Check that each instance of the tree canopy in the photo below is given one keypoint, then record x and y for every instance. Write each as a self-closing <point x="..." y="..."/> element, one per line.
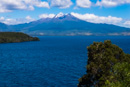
<point x="107" y="66"/>
<point x="9" y="37"/>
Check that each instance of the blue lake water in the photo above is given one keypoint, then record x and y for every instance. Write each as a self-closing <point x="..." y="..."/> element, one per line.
<point x="53" y="61"/>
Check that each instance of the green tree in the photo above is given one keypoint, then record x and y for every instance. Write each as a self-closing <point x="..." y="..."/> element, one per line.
<point x="120" y="77"/>
<point x="105" y="65"/>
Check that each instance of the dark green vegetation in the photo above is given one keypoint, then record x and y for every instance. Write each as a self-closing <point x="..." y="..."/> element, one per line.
<point x="10" y="37"/>
<point x="108" y="66"/>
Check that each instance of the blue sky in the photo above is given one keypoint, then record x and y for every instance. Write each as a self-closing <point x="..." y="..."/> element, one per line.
<point x="104" y="11"/>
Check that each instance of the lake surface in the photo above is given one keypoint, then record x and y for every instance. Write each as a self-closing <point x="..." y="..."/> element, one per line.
<point x="53" y="61"/>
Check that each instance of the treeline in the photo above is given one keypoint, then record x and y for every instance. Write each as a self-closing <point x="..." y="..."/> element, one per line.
<point x="107" y="66"/>
<point x="10" y="37"/>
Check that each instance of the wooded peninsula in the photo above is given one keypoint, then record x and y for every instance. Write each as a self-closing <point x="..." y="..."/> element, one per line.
<point x="12" y="37"/>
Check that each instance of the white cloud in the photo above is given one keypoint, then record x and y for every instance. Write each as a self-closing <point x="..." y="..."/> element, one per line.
<point x="46" y="15"/>
<point x="11" y="21"/>
<point x="97" y="19"/>
<point x="37" y="3"/>
<point x="29" y="19"/>
<point x="127" y="23"/>
<point x="84" y="3"/>
<point x="61" y="3"/>
<point x="2" y="18"/>
<point x="111" y="3"/>
<point x="10" y="5"/>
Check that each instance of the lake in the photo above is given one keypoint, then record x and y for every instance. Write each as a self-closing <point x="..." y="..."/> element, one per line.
<point x="54" y="61"/>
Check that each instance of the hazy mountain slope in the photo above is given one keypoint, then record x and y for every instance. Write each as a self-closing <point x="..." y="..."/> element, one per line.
<point x="3" y="27"/>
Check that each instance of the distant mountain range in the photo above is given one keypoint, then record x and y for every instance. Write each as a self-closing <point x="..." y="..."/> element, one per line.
<point x="65" y="25"/>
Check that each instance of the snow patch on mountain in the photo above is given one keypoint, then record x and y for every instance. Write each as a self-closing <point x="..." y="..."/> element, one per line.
<point x="59" y="15"/>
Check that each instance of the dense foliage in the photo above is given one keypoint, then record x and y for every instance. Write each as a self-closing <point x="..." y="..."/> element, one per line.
<point x="107" y="66"/>
<point x="9" y="37"/>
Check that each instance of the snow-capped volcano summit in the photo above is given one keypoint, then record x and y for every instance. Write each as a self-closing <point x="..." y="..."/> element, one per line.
<point x="64" y="17"/>
<point x="57" y="18"/>
<point x="59" y="15"/>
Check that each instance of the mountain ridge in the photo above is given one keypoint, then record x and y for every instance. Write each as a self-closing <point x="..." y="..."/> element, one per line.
<point x="66" y="25"/>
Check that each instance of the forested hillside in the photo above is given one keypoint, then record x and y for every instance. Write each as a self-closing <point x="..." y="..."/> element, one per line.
<point x="10" y="37"/>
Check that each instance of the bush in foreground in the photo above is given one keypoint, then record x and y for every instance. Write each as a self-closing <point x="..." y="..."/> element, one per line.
<point x="107" y="66"/>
